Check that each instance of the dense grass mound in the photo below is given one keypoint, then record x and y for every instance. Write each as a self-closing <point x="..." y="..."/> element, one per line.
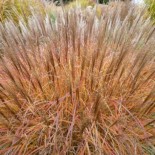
<point x="79" y="85"/>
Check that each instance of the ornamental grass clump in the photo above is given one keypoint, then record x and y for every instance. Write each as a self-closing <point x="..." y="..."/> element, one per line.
<point x="79" y="85"/>
<point x="19" y="8"/>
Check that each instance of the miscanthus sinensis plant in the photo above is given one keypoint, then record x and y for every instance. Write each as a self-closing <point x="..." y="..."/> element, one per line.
<point x="80" y="85"/>
<point x="16" y="8"/>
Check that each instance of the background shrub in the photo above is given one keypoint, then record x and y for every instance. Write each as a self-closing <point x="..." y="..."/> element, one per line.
<point x="103" y="1"/>
<point x="82" y="3"/>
